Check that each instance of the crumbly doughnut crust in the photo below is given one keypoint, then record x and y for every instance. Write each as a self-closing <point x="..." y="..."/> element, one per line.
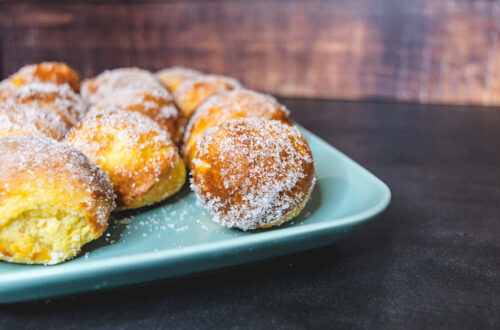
<point x="253" y="173"/>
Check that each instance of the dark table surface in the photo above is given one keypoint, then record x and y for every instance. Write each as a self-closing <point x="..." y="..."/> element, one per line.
<point x="432" y="259"/>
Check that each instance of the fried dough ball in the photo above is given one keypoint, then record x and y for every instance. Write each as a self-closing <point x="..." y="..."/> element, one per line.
<point x="193" y="92"/>
<point x="156" y="103"/>
<point x="22" y="120"/>
<point x="47" y="72"/>
<point x="138" y="155"/>
<point x="240" y="103"/>
<point x="53" y="200"/>
<point x="58" y="99"/>
<point x="253" y="173"/>
<point x="173" y="77"/>
<point x="110" y="81"/>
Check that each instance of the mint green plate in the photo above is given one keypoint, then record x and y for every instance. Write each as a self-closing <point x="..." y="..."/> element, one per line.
<point x="177" y="238"/>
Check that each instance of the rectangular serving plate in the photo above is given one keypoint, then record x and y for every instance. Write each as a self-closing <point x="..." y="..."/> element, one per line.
<point x="177" y="237"/>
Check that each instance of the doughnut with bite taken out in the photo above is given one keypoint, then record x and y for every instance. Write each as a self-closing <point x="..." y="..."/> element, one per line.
<point x="53" y="200"/>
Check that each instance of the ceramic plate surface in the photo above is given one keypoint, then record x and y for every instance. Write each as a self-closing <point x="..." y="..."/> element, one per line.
<point x="177" y="237"/>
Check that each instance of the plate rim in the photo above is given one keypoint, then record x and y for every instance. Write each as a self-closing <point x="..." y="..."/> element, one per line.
<point x="123" y="263"/>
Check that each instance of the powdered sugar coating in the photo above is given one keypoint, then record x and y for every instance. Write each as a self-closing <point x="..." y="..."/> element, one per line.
<point x="133" y="149"/>
<point x="251" y="172"/>
<point x="156" y="103"/>
<point x="240" y="103"/>
<point x="130" y="126"/>
<point x="132" y="97"/>
<point x="193" y="92"/>
<point x="111" y="81"/>
<point x="47" y="72"/>
<point x="58" y="99"/>
<point x="23" y="120"/>
<point x="173" y="77"/>
<point x="42" y="159"/>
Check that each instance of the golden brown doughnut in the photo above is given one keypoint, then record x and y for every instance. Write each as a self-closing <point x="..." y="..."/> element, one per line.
<point x="23" y="120"/>
<point x="193" y="92"/>
<point x="110" y="81"/>
<point x="58" y="99"/>
<point x="53" y="200"/>
<point x="156" y="103"/>
<point x="141" y="160"/>
<point x="47" y="72"/>
<point x="240" y="103"/>
<point x="173" y="77"/>
<point x="253" y="173"/>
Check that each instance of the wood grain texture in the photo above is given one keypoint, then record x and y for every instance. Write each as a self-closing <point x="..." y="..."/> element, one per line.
<point x="428" y="51"/>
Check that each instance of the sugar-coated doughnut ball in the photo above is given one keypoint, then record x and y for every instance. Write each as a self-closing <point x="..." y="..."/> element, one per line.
<point x="156" y="103"/>
<point x="240" y="103"/>
<point x="53" y="200"/>
<point x="58" y="99"/>
<point x="253" y="173"/>
<point x="47" y="72"/>
<point x="22" y="120"/>
<point x="140" y="158"/>
<point x="110" y="81"/>
<point x="193" y="92"/>
<point x="173" y="77"/>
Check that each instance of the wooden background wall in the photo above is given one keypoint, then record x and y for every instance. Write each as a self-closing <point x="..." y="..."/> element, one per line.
<point x="429" y="51"/>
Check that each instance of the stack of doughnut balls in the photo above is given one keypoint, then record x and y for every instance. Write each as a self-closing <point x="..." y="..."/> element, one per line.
<point x="71" y="153"/>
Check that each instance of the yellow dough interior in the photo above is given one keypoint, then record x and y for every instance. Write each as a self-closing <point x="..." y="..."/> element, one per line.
<point x="41" y="233"/>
